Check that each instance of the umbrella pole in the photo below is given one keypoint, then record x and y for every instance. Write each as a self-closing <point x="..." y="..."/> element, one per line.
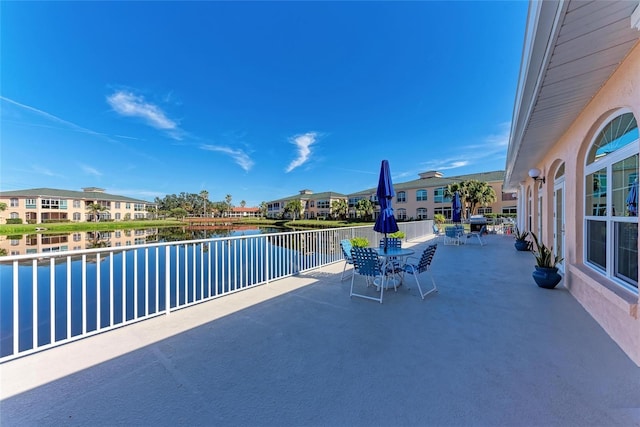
<point x="385" y="243"/>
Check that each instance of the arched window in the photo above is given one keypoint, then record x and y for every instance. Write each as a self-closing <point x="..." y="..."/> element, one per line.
<point x="402" y="197"/>
<point x="611" y="198"/>
<point x="402" y="214"/>
<point x="421" y="195"/>
<point x="421" y="213"/>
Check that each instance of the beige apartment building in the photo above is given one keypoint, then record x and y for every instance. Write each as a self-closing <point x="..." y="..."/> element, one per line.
<point x="573" y="153"/>
<point x="314" y="205"/>
<point x="240" y="212"/>
<point x="41" y="205"/>
<point x="418" y="199"/>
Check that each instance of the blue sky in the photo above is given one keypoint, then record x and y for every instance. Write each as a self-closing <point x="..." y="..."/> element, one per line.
<point x="257" y="100"/>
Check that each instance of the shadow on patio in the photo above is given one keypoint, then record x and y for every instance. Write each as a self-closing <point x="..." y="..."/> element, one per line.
<point x="490" y="348"/>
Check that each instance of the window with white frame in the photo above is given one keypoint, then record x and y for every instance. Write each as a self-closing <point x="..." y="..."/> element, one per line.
<point x="14" y="203"/>
<point x="446" y="211"/>
<point x="402" y="214"/>
<point x="421" y="213"/>
<point x="610" y="201"/>
<point x="421" y="195"/>
<point x="402" y="197"/>
<point x="439" y="197"/>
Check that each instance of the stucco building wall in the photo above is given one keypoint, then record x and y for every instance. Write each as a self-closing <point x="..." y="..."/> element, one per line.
<point x="613" y="306"/>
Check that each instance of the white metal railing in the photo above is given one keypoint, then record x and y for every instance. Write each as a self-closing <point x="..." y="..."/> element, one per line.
<point x="51" y="299"/>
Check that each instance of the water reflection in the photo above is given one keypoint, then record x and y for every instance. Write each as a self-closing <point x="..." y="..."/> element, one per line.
<point x="21" y="244"/>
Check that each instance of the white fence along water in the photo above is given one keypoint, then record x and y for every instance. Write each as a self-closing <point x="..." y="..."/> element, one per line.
<point x="49" y="299"/>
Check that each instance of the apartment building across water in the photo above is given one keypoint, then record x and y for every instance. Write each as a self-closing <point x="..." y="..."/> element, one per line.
<point x="41" y="205"/>
<point x="418" y="199"/>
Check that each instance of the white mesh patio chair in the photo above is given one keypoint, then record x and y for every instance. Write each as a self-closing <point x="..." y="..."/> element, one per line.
<point x="367" y="264"/>
<point x="345" y="245"/>
<point x="451" y="236"/>
<point x="416" y="266"/>
<point x="478" y="234"/>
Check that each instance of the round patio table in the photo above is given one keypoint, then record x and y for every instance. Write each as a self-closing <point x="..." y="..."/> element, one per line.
<point x="388" y="256"/>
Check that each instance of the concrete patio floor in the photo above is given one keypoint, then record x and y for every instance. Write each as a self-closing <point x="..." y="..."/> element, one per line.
<point x="490" y="348"/>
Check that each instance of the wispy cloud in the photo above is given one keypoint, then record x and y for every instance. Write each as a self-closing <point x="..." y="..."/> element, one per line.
<point x="446" y="164"/>
<point x="90" y="170"/>
<point x="129" y="104"/>
<point x="52" y="118"/>
<point x="43" y="171"/>
<point x="238" y="155"/>
<point x="492" y="146"/>
<point x="303" y="145"/>
<point x="500" y="139"/>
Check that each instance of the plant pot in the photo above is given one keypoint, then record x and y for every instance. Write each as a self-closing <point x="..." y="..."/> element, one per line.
<point x="547" y="278"/>
<point x="521" y="245"/>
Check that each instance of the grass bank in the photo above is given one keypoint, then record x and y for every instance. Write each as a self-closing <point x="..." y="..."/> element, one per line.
<point x="303" y="223"/>
<point x="68" y="227"/>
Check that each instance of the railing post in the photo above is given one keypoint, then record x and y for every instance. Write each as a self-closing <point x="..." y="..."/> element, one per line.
<point x="167" y="280"/>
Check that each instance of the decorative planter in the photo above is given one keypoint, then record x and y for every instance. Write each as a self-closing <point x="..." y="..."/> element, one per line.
<point x="547" y="278"/>
<point x="522" y="245"/>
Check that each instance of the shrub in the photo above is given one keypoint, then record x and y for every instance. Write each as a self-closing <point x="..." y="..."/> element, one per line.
<point x="15" y="220"/>
<point x="359" y="242"/>
<point x="398" y="235"/>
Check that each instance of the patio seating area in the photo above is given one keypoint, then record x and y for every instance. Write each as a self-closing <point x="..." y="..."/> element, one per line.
<point x="489" y="348"/>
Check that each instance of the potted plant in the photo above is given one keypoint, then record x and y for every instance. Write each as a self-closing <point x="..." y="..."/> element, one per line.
<point x="359" y="242"/>
<point x="546" y="272"/>
<point x="521" y="243"/>
<point x="398" y="235"/>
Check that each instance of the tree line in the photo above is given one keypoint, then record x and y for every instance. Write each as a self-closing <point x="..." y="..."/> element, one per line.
<point x="192" y="204"/>
<point x="473" y="194"/>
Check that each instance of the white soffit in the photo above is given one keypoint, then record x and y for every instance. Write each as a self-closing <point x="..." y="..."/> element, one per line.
<point x="575" y="46"/>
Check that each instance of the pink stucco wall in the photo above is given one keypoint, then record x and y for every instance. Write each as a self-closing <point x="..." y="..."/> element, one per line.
<point x="614" y="308"/>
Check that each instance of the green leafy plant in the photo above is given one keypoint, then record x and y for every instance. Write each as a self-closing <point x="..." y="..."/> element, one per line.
<point x="544" y="255"/>
<point x="360" y="242"/>
<point x="398" y="235"/>
<point x="520" y="235"/>
<point x="439" y="219"/>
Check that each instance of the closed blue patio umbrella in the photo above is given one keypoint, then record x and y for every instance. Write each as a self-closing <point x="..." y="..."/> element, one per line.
<point x="632" y="199"/>
<point x="456" y="207"/>
<point x="386" y="222"/>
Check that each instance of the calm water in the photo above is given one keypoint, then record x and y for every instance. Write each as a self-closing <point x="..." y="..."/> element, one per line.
<point x="183" y="280"/>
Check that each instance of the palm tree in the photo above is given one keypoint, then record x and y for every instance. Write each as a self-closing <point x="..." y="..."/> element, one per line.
<point x="263" y="208"/>
<point x="94" y="210"/>
<point x="294" y="207"/>
<point x="243" y="203"/>
<point x="227" y="203"/>
<point x="479" y="193"/>
<point x="339" y="208"/>
<point x="463" y="192"/>
<point x="364" y="207"/>
<point x="205" y="195"/>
